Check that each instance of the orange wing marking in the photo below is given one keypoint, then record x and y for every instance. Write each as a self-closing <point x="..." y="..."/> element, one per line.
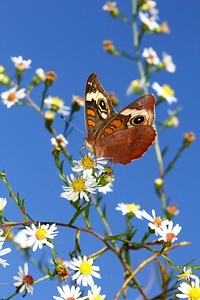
<point x="90" y="112"/>
<point x="91" y="123"/>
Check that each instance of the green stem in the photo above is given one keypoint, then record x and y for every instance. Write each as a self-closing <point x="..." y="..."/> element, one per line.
<point x="172" y="162"/>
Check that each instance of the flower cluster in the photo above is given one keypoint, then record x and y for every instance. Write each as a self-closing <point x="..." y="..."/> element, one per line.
<point x="162" y="227"/>
<point x="91" y="177"/>
<point x="84" y="273"/>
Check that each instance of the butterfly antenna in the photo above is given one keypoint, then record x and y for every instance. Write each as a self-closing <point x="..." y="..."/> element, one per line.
<point x="72" y="124"/>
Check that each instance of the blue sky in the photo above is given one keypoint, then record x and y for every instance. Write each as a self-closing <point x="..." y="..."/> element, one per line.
<point x="66" y="36"/>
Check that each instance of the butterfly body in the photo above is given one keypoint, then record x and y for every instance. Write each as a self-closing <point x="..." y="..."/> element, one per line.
<point x="120" y="137"/>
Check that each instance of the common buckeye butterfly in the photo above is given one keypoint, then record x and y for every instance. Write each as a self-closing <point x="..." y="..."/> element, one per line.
<point x="119" y="137"/>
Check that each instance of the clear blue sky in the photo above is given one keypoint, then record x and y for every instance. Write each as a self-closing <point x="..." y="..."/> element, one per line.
<point x="66" y="36"/>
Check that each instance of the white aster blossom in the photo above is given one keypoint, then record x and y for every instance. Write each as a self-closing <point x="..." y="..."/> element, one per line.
<point x="78" y="100"/>
<point x="155" y="222"/>
<point x="3" y="252"/>
<point x="84" y="270"/>
<point x="130" y="209"/>
<point x="169" y="233"/>
<point x="11" y="97"/>
<point x="151" y="56"/>
<point x="69" y="293"/>
<point x="41" y="74"/>
<point x="24" y="280"/>
<point x="94" y="294"/>
<point x="38" y="237"/>
<point x="137" y="85"/>
<point x="20" y="63"/>
<point x="88" y="163"/>
<point x="150" y="6"/>
<point x="186" y="275"/>
<point x="59" y="141"/>
<point x="106" y="188"/>
<point x="165" y="91"/>
<point x="3" y="203"/>
<point x="168" y="63"/>
<point x="21" y="239"/>
<point x="57" y="105"/>
<point x="79" y="187"/>
<point x="190" y="290"/>
<point x="149" y="21"/>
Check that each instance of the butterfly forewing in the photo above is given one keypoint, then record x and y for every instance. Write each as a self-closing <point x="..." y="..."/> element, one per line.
<point x="98" y="106"/>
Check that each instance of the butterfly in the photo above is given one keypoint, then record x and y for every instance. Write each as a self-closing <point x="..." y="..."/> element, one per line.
<point x="119" y="137"/>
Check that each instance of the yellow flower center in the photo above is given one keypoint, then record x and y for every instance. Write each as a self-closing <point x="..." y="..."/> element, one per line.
<point x="87" y="162"/>
<point x="11" y="97"/>
<point x="57" y="102"/>
<point x="194" y="293"/>
<point x="167" y="90"/>
<point x="97" y="298"/>
<point x="85" y="268"/>
<point x="78" y="184"/>
<point x="133" y="207"/>
<point x="41" y="233"/>
<point x="157" y="222"/>
<point x="135" y="84"/>
<point x="70" y="298"/>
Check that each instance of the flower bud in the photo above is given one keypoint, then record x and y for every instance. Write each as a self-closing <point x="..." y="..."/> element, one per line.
<point x="189" y="137"/>
<point x="109" y="47"/>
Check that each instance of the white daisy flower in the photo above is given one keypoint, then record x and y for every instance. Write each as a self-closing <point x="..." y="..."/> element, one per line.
<point x="88" y="163"/>
<point x="21" y="239"/>
<point x="151" y="56"/>
<point x="69" y="293"/>
<point x="168" y="63"/>
<point x="169" y="233"/>
<point x="149" y="21"/>
<point x="190" y="290"/>
<point x="111" y="7"/>
<point x="37" y="237"/>
<point x="24" y="280"/>
<point x="11" y="97"/>
<point x="130" y="209"/>
<point x="41" y="74"/>
<point x="78" y="100"/>
<point x="3" y="252"/>
<point x="155" y="222"/>
<point x="57" y="105"/>
<point x="164" y="91"/>
<point x="186" y="275"/>
<point x="3" y="203"/>
<point x="79" y="187"/>
<point x="173" y="210"/>
<point x="59" y="141"/>
<point x="106" y="188"/>
<point x="84" y="270"/>
<point x="95" y="293"/>
<point x="20" y="63"/>
<point x="136" y="86"/>
<point x="150" y="6"/>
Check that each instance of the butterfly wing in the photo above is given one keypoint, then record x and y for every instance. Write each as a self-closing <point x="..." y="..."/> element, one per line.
<point x="129" y="134"/>
<point x="98" y="106"/>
